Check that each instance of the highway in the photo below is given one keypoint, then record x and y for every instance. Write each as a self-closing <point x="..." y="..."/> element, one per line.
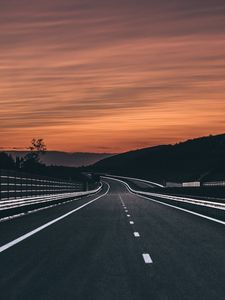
<point x="113" y="245"/>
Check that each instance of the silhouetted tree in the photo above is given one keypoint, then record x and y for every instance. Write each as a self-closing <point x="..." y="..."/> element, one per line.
<point x="6" y="161"/>
<point x="31" y="161"/>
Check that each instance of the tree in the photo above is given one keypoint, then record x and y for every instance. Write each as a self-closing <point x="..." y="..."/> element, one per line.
<point x="6" y="161"/>
<point x="31" y="161"/>
<point x="38" y="146"/>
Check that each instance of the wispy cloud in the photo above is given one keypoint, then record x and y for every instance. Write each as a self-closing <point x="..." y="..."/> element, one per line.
<point x="86" y="74"/>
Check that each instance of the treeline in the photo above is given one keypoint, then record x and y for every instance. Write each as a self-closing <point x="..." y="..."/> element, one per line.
<point x="7" y="162"/>
<point x="36" y="167"/>
<point x="198" y="159"/>
<point x="31" y="163"/>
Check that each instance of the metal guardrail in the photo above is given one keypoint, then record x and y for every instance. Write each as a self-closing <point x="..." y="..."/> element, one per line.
<point x="214" y="183"/>
<point x="20" y="206"/>
<point x="15" y="185"/>
<point x="195" y="184"/>
<point x="208" y="209"/>
<point x="135" y="179"/>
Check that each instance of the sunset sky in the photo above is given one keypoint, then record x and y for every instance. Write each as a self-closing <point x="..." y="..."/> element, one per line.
<point x="110" y="76"/>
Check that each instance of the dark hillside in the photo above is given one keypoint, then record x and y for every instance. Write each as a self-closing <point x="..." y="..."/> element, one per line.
<point x="202" y="158"/>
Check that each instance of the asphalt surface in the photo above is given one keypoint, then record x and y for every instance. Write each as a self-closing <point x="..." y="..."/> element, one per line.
<point x="96" y="251"/>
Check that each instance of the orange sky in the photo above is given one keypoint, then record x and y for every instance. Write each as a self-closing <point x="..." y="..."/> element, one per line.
<point x="109" y="76"/>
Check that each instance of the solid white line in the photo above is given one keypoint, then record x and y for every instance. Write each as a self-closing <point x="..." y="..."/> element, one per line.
<point x="25" y="236"/>
<point x="136" y="234"/>
<point x="187" y="200"/>
<point x="136" y="193"/>
<point x="128" y="216"/>
<point x="183" y="209"/>
<point x="147" y="258"/>
<point x="131" y="222"/>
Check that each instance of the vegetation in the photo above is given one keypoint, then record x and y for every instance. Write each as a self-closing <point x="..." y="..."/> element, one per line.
<point x="6" y="161"/>
<point x="197" y="159"/>
<point x="31" y="163"/>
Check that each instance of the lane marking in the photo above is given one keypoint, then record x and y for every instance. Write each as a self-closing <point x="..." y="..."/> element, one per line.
<point x="121" y="200"/>
<point x="128" y="216"/>
<point x="147" y="258"/>
<point x="166" y="204"/>
<point x="27" y="235"/>
<point x="136" y="234"/>
<point x="183" y="209"/>
<point x="131" y="222"/>
<point x="126" y="211"/>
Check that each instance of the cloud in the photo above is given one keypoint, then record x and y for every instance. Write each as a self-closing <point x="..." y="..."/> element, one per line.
<point x="68" y="68"/>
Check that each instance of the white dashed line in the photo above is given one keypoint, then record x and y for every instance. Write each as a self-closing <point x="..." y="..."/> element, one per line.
<point x="136" y="234"/>
<point x="126" y="211"/>
<point x="128" y="216"/>
<point x="131" y="222"/>
<point x="147" y="258"/>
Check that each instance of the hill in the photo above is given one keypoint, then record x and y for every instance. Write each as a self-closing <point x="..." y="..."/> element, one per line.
<point x="198" y="159"/>
<point x="76" y="159"/>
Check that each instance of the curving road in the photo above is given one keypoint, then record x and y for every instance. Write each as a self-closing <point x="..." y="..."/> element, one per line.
<point x="109" y="246"/>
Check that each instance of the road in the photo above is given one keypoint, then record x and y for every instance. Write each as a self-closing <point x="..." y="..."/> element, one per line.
<point x="112" y="245"/>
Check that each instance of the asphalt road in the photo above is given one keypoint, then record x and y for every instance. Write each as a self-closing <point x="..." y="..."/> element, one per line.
<point x="93" y="249"/>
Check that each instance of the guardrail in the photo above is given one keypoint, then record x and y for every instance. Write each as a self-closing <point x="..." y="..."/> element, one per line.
<point x="214" y="210"/>
<point x="21" y="192"/>
<point x="214" y="183"/>
<point x="15" y="185"/>
<point x="195" y="184"/>
<point x="155" y="184"/>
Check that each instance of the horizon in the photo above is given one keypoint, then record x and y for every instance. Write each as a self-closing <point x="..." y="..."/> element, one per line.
<point x="101" y="76"/>
<point x="14" y="149"/>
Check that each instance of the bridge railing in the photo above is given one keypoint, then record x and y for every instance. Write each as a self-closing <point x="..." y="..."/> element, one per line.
<point x="15" y="184"/>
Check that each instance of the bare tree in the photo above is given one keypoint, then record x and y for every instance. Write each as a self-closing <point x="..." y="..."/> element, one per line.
<point x="31" y="161"/>
<point x="37" y="147"/>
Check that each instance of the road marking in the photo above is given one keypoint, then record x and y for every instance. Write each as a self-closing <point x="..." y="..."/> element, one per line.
<point x="126" y="211"/>
<point x="166" y="204"/>
<point x="128" y="216"/>
<point x="27" y="235"/>
<point x="147" y="258"/>
<point x="183" y="209"/>
<point x="136" y="234"/>
<point x="131" y="222"/>
<point x="121" y="200"/>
